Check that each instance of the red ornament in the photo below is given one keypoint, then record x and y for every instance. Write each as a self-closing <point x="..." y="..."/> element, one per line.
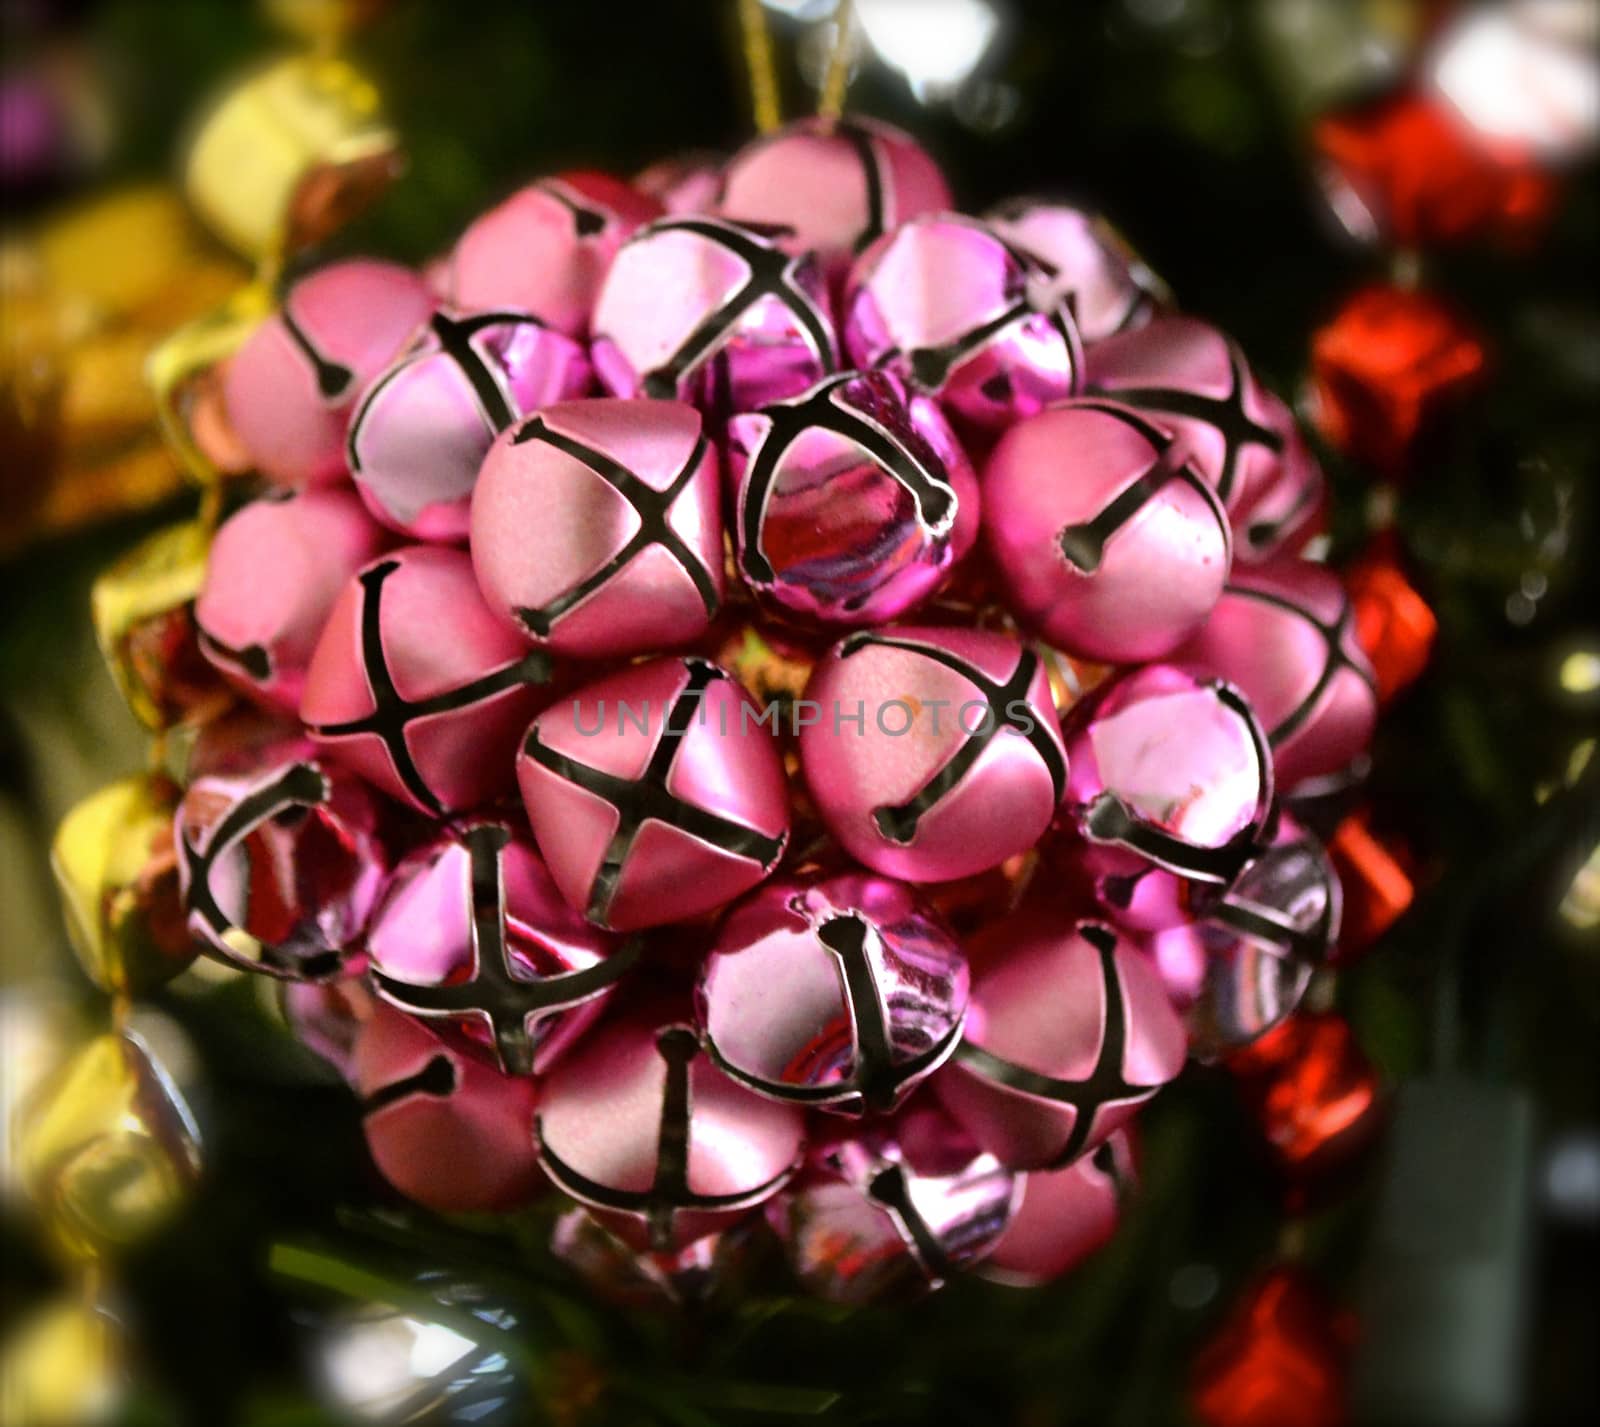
<point x="1384" y="367"/>
<point x="1410" y="171"/>
<point x="1312" y="1093"/>
<point x="1377" y="886"/>
<point x="1393" y="623"/>
<point x="1279" y="1359"/>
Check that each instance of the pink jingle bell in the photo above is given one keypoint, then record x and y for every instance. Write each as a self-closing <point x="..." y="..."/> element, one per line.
<point x="1284" y="632"/>
<point x="956" y="313"/>
<point x="597" y="527"/>
<point x="683" y="183"/>
<point x="275" y="569"/>
<point x="655" y="794"/>
<point x="630" y="1278"/>
<point x="290" y="388"/>
<point x="863" y="1225"/>
<point x="1194" y="382"/>
<point x="1281" y="514"/>
<point x="1062" y="1216"/>
<point x="1170" y="788"/>
<point x="837" y="186"/>
<point x="327" y="1017"/>
<point x="444" y="1129"/>
<point x="853" y="502"/>
<point x="1244" y="961"/>
<point x="842" y="994"/>
<point x="712" y="312"/>
<point x="472" y="932"/>
<point x="418" y="686"/>
<point x="641" y="1126"/>
<point x="934" y="753"/>
<point x="280" y="862"/>
<point x="546" y="249"/>
<point x="1105" y="536"/>
<point x="1069" y="1032"/>
<point x="423" y="427"/>
<point x="1107" y="288"/>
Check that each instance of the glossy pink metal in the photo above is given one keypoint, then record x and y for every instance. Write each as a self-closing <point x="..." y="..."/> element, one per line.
<point x="1284" y="509"/>
<point x="280" y="861"/>
<point x="472" y="932"/>
<point x="1062" y="1217"/>
<point x="1069" y="1032"/>
<point x="418" y="686"/>
<point x="712" y="312"/>
<point x="843" y="993"/>
<point x="655" y="794"/>
<point x="853" y="503"/>
<point x="1194" y="382"/>
<point x="683" y="183"/>
<point x="863" y="1225"/>
<point x="956" y="313"/>
<point x="326" y="1017"/>
<point x="641" y="1126"/>
<point x="956" y="763"/>
<point x="443" y="1127"/>
<point x="835" y="186"/>
<point x="1170" y="789"/>
<point x="1106" y="539"/>
<point x="1284" y="633"/>
<point x="421" y="430"/>
<point x="597" y="527"/>
<point x="1091" y="267"/>
<point x="289" y="389"/>
<point x="275" y="569"/>
<point x="710" y="1267"/>
<point x="546" y="249"/>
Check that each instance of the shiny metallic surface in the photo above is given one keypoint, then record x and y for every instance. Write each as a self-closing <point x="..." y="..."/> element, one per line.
<point x="853" y="501"/>
<point x="655" y="794"/>
<point x="1280" y="512"/>
<point x="275" y="569"/>
<point x="290" y="388"/>
<point x="1069" y="1032"/>
<point x="956" y="763"/>
<point x="422" y="428"/>
<point x="842" y="994"/>
<point x="1104" y="535"/>
<point x="955" y="313"/>
<point x="597" y="527"/>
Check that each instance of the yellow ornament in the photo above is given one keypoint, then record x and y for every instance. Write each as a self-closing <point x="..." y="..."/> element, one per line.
<point x="289" y="155"/>
<point x="116" y="866"/>
<point x="63" y="1367"/>
<point x="143" y="612"/>
<point x="108" y="1148"/>
<point x="323" y="22"/>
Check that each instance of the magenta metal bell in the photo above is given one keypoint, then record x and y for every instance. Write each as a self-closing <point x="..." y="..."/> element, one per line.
<point x="683" y="183"/>
<point x="274" y="571"/>
<point x="956" y="313"/>
<point x="1069" y="1032"/>
<point x="417" y="686"/>
<point x="1106" y="538"/>
<point x="597" y="527"/>
<point x="545" y="250"/>
<point x="655" y="794"/>
<point x="708" y="1268"/>
<point x="472" y="932"/>
<point x="421" y="430"/>
<point x="863" y="1225"/>
<point x="280" y="862"/>
<point x="1170" y="787"/>
<point x="1283" y="510"/>
<point x="712" y="312"/>
<point x="837" y="186"/>
<point x="1107" y="287"/>
<point x="639" y="1124"/>
<point x="1194" y="382"/>
<point x="843" y="994"/>
<point x="853" y="502"/>
<point x="443" y="1128"/>
<point x="933" y="753"/>
<point x="1284" y="633"/>
<point x="326" y="1017"/>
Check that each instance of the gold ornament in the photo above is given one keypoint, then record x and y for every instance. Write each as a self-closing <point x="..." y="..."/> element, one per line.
<point x="116" y="866"/>
<point x="324" y="23"/>
<point x="290" y="154"/>
<point x="62" y="1368"/>
<point x="109" y="1150"/>
<point x="143" y="611"/>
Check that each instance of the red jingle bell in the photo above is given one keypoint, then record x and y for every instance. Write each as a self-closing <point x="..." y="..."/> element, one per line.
<point x="1393" y="623"/>
<point x="1378" y="887"/>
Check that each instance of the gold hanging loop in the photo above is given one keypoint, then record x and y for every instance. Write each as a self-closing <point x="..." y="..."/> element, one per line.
<point x="760" y="65"/>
